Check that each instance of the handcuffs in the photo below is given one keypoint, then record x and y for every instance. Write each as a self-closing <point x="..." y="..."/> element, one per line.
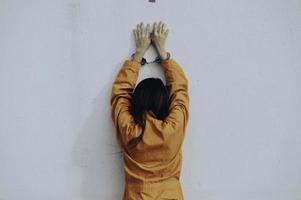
<point x="157" y="60"/>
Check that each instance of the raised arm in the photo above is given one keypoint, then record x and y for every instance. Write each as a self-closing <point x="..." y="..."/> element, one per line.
<point x="177" y="85"/>
<point x="122" y="88"/>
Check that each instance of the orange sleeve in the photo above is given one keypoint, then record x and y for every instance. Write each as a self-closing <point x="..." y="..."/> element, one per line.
<point x="122" y="88"/>
<point x="177" y="85"/>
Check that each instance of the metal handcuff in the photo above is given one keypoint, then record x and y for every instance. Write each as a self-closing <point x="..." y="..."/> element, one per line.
<point x="157" y="60"/>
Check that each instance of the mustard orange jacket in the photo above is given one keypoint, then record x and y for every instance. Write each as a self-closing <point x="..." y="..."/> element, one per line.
<point x="152" y="169"/>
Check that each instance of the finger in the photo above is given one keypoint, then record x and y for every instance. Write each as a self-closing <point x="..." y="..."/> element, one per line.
<point x="142" y="29"/>
<point x="138" y="30"/>
<point x="159" y="27"/>
<point x="141" y="26"/>
<point x="152" y="30"/>
<point x="145" y="31"/>
<point x="166" y="32"/>
<point x="155" y="29"/>
<point x="135" y="33"/>
<point x="163" y="28"/>
<point x="148" y="30"/>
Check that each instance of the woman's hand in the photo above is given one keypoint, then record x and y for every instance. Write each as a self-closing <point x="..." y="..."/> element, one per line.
<point x="142" y="39"/>
<point x="158" y="38"/>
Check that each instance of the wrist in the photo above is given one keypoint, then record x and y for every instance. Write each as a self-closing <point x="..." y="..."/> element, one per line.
<point x="163" y="55"/>
<point x="137" y="57"/>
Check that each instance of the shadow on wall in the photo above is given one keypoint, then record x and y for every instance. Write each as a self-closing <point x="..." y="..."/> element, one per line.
<point x="97" y="154"/>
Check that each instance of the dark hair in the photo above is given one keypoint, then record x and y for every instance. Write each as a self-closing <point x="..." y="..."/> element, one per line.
<point x="149" y="95"/>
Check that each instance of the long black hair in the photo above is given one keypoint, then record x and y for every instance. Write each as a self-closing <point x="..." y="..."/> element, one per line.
<point x="149" y="95"/>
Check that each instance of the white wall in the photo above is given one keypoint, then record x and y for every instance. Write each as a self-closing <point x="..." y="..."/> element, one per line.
<point x="58" y="59"/>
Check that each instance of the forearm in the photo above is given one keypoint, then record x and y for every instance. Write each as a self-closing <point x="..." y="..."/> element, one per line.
<point x="175" y="77"/>
<point x="177" y="85"/>
<point x="125" y="80"/>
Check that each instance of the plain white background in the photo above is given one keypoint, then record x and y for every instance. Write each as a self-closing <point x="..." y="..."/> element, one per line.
<point x="59" y="58"/>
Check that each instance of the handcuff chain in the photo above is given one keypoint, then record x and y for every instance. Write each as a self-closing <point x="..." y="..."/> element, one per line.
<point x="157" y="60"/>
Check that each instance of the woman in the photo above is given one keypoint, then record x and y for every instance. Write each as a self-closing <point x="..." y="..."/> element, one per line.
<point x="150" y="120"/>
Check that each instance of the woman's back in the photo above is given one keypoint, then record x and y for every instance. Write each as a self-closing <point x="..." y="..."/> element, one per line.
<point x="157" y="158"/>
